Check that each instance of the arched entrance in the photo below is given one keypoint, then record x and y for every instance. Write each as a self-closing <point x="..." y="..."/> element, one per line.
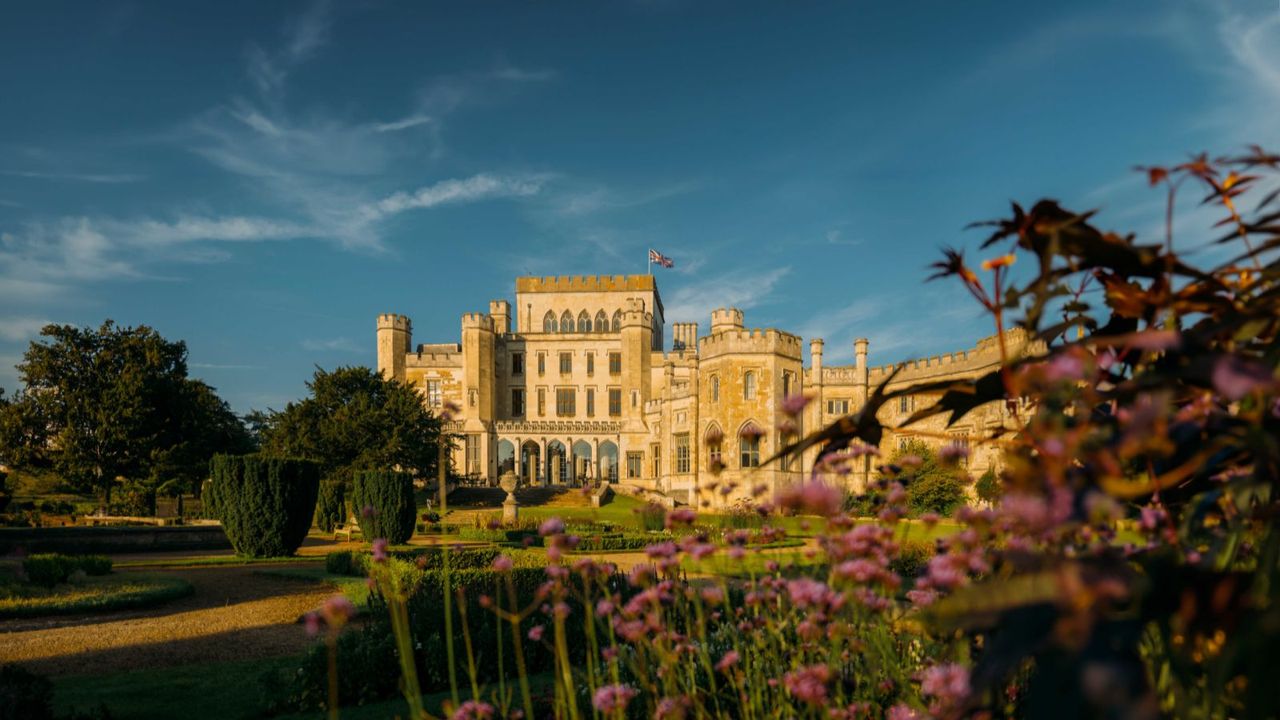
<point x="530" y="456"/>
<point x="581" y="461"/>
<point x="609" y="461"/>
<point x="557" y="462"/>
<point x="506" y="456"/>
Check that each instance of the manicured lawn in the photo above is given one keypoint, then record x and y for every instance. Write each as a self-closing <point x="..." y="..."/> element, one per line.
<point x="108" y="592"/>
<point x="356" y="589"/>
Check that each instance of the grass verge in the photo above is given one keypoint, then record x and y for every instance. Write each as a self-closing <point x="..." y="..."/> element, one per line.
<point x="356" y="589"/>
<point x="93" y="594"/>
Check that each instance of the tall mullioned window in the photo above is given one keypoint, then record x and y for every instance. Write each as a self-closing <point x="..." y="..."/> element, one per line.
<point x="542" y="363"/>
<point x="584" y="322"/>
<point x="635" y="460"/>
<point x="602" y="322"/>
<point x="566" y="322"/>
<point x="837" y="407"/>
<point x="656" y="451"/>
<point x="549" y="322"/>
<point x="682" y="453"/>
<point x="749" y="451"/>
<point x="715" y="388"/>
<point x="749" y="385"/>
<point x="565" y="401"/>
<point x="473" y="454"/>
<point x="591" y="364"/>
<point x="517" y="402"/>
<point x="615" y="402"/>
<point x="435" y="398"/>
<point x="904" y="404"/>
<point x="617" y="320"/>
<point x="591" y="402"/>
<point x="542" y="402"/>
<point x="615" y="363"/>
<point x="517" y="363"/>
<point x="566" y="363"/>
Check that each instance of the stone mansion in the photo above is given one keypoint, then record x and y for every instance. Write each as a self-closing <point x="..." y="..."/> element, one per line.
<point x="575" y="381"/>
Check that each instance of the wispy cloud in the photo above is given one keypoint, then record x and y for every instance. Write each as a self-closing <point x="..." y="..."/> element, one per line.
<point x="743" y="289"/>
<point x="477" y="187"/>
<point x="303" y="37"/>
<point x="18" y="329"/>
<point x="109" y="178"/>
<point x="339" y="344"/>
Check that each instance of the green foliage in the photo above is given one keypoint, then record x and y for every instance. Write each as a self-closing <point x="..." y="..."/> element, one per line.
<point x="5" y="495"/>
<point x="91" y="594"/>
<point x="931" y="486"/>
<point x="354" y="420"/>
<point x="988" y="487"/>
<point x="115" y="403"/>
<point x="653" y="517"/>
<point x="356" y="563"/>
<point x="384" y="499"/>
<point x="265" y="504"/>
<point x="613" y="542"/>
<point x="24" y="695"/>
<point x="331" y="505"/>
<point x="51" y="569"/>
<point x="913" y="557"/>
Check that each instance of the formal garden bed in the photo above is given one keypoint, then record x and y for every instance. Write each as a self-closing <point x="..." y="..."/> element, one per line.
<point x="62" y="585"/>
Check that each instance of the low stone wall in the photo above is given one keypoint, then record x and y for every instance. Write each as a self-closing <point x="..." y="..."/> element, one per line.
<point x="112" y="539"/>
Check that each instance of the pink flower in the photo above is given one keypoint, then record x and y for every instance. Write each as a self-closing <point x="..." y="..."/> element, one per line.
<point x="904" y="712"/>
<point x="727" y="661"/>
<point x="503" y="563"/>
<point x="314" y="623"/>
<point x="809" y="684"/>
<point x="1064" y="367"/>
<point x="612" y="698"/>
<point x="337" y="610"/>
<point x="473" y="710"/>
<point x="551" y="526"/>
<point x="813" y="497"/>
<point x="671" y="708"/>
<point x="380" y="550"/>
<point x="535" y="632"/>
<point x="680" y="516"/>
<point x="1234" y="377"/>
<point x="948" y="683"/>
<point x="795" y="403"/>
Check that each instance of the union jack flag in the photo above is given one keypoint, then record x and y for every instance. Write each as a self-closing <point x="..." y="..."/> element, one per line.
<point x="663" y="260"/>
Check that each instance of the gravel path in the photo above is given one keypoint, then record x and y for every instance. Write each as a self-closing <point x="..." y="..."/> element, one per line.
<point x="234" y="614"/>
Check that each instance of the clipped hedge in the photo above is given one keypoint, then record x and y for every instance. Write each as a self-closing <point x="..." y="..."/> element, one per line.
<point x="384" y="499"/>
<point x="51" y="569"/>
<point x="355" y="563"/>
<point x="265" y="504"/>
<point x="330" y="505"/>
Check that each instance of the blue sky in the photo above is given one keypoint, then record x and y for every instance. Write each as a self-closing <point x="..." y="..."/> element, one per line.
<point x="261" y="179"/>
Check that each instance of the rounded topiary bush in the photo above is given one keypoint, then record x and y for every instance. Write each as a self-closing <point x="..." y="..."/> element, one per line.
<point x="265" y="504"/>
<point x="330" y="505"/>
<point x="384" y="500"/>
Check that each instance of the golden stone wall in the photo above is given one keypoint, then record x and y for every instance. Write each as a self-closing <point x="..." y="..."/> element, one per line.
<point x="664" y="400"/>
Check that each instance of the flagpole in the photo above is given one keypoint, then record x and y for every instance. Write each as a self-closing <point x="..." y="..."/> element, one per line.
<point x="650" y="268"/>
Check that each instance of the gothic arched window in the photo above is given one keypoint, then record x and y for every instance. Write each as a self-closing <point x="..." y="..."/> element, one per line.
<point x="584" y="322"/>
<point x="617" y="320"/>
<point x="602" y="322"/>
<point x="566" y="322"/>
<point x="549" y="322"/>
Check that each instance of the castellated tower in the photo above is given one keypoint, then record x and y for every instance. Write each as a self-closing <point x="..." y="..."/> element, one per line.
<point x="637" y="342"/>
<point x="724" y="319"/>
<point x="477" y="371"/>
<point x="395" y="332"/>
<point x="500" y="311"/>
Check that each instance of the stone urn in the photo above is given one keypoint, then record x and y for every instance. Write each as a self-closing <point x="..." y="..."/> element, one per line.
<point x="509" y="481"/>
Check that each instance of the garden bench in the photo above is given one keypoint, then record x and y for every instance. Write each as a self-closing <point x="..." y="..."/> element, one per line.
<point x="344" y="530"/>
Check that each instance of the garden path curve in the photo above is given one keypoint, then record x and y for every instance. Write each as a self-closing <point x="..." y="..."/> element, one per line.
<point x="235" y="613"/>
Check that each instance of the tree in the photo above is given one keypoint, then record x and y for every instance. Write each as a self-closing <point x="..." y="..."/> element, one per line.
<point x="265" y="504"/>
<point x="988" y="487"/>
<point x="114" y="403"/>
<point x="931" y="485"/>
<point x="388" y="496"/>
<point x="355" y="420"/>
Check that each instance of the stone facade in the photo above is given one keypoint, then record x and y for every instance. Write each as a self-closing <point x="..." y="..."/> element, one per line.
<point x="573" y="383"/>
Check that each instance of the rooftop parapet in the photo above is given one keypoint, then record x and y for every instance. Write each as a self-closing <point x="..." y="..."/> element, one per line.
<point x="479" y="321"/>
<point x="767" y="340"/>
<point x="392" y="321"/>
<point x="585" y="283"/>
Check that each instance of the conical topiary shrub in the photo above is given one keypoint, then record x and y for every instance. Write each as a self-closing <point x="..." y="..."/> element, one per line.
<point x="265" y="504"/>
<point x="384" y="501"/>
<point x="331" y="505"/>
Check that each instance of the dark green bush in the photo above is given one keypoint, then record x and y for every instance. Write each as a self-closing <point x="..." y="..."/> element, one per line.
<point x="936" y="493"/>
<point x="355" y="563"/>
<point x="988" y="487"/>
<point x="913" y="558"/>
<point x="265" y="504"/>
<point x="529" y="538"/>
<point x="384" y="500"/>
<point x="331" y="505"/>
<point x="24" y="695"/>
<point x="49" y="569"/>
<point x="613" y="542"/>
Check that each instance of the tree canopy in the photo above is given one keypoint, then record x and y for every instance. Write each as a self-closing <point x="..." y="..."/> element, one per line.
<point x="355" y="419"/>
<point x="115" y="403"/>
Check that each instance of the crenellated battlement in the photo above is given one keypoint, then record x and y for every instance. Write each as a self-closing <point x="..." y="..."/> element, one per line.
<point x="585" y="283"/>
<point x="767" y="341"/>
<point x="392" y="321"/>
<point x="477" y="321"/>
<point x="724" y="319"/>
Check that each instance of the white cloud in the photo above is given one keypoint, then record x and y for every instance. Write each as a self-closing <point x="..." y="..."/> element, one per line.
<point x="740" y="289"/>
<point x="339" y="344"/>
<point x="477" y="187"/>
<point x="303" y="37"/>
<point x="109" y="178"/>
<point x="18" y="329"/>
<point x="405" y="123"/>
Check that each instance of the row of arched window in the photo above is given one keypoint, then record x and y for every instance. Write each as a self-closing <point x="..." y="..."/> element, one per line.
<point x="584" y="324"/>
